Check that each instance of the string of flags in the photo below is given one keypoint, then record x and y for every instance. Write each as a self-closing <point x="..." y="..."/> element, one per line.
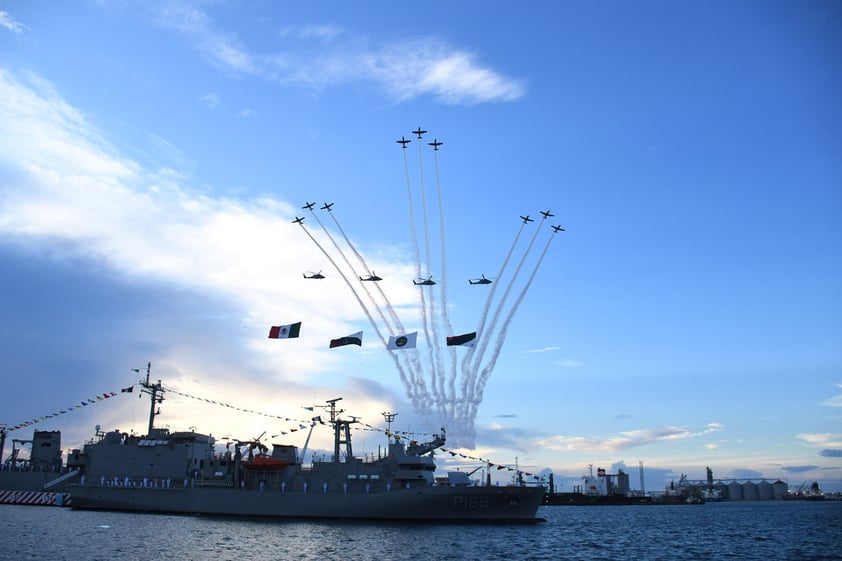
<point x="396" y="342"/>
<point x="489" y="462"/>
<point x="74" y="407"/>
<point x="301" y="424"/>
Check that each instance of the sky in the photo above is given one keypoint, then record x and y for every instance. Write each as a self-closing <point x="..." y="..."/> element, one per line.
<point x="153" y="157"/>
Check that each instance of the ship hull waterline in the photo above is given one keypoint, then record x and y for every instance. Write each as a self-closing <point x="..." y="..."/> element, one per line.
<point x="429" y="504"/>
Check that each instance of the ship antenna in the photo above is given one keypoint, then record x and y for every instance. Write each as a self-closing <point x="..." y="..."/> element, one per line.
<point x="156" y="395"/>
<point x="390" y="417"/>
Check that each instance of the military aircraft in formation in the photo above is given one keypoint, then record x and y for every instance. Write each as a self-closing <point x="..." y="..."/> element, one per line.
<point x="526" y="219"/>
<point x="426" y="282"/>
<point x="313" y="275"/>
<point x="327" y="206"/>
<point x="298" y="220"/>
<point x="557" y="229"/>
<point x="372" y="277"/>
<point x="547" y="214"/>
<point x="309" y="206"/>
<point x="481" y="280"/>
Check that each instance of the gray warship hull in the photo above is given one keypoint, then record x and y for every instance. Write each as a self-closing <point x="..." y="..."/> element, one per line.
<point x="430" y="504"/>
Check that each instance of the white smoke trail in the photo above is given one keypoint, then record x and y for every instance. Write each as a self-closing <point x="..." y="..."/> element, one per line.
<point x="451" y="390"/>
<point x="404" y="379"/>
<point x="468" y="372"/>
<point x="408" y="357"/>
<point x="389" y="308"/>
<point x="429" y="300"/>
<point x="474" y="369"/>
<point x="413" y="230"/>
<point x="501" y="337"/>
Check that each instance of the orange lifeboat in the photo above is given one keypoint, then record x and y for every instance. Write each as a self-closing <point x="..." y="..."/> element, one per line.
<point x="265" y="462"/>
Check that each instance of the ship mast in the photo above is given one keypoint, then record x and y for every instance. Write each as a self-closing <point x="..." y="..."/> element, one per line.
<point x="341" y="431"/>
<point x="156" y="395"/>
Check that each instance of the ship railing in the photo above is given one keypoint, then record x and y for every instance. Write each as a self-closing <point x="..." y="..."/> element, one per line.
<point x="212" y="483"/>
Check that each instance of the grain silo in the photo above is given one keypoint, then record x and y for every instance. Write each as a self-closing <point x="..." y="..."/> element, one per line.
<point x="764" y="491"/>
<point x="735" y="491"/>
<point x="750" y="491"/>
<point x="779" y="489"/>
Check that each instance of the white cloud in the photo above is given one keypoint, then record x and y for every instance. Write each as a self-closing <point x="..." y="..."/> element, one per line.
<point x="71" y="185"/>
<point x="211" y="101"/>
<point x="310" y="56"/>
<point x="569" y="363"/>
<point x="626" y="440"/>
<point x="835" y="401"/>
<point x="222" y="49"/>
<point x="323" y="32"/>
<point x="544" y="350"/>
<point x="9" y="23"/>
<point x="823" y="440"/>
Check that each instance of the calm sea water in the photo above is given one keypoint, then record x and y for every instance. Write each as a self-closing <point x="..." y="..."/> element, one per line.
<point x="767" y="531"/>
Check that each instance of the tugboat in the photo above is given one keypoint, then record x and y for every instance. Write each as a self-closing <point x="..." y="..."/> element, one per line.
<point x="180" y="472"/>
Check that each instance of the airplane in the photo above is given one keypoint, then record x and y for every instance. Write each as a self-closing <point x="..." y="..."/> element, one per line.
<point x="426" y="282"/>
<point x="313" y="275"/>
<point x="481" y="280"/>
<point x="309" y="206"/>
<point x="327" y="206"/>
<point x="403" y="142"/>
<point x="557" y="229"/>
<point x="419" y="132"/>
<point x="526" y="219"/>
<point x="371" y="277"/>
<point x="299" y="220"/>
<point x="547" y="214"/>
<point x="435" y="144"/>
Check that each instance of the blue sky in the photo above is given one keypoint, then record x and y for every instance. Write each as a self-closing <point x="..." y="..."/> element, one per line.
<point x="153" y="155"/>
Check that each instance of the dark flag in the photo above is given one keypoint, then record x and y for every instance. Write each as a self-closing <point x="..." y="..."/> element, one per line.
<point x="466" y="340"/>
<point x="355" y="339"/>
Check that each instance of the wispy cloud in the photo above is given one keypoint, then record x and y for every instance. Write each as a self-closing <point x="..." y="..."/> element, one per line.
<point x="830" y="443"/>
<point x="324" y="32"/>
<point x="568" y="363"/>
<point x="221" y="48"/>
<point x="11" y="24"/>
<point x="544" y="350"/>
<point x="324" y="56"/>
<point x="798" y="469"/>
<point x="211" y="101"/>
<point x="835" y="401"/>
<point x="626" y="440"/>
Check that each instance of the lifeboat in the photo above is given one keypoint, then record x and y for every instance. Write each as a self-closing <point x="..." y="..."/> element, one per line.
<point x="265" y="462"/>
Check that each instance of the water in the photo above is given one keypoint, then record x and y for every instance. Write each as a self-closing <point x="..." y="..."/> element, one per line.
<point x="767" y="531"/>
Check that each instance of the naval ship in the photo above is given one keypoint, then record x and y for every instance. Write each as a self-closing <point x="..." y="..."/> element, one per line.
<point x="180" y="472"/>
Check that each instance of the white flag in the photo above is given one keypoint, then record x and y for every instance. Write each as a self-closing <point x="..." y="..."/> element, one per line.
<point x="402" y="341"/>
